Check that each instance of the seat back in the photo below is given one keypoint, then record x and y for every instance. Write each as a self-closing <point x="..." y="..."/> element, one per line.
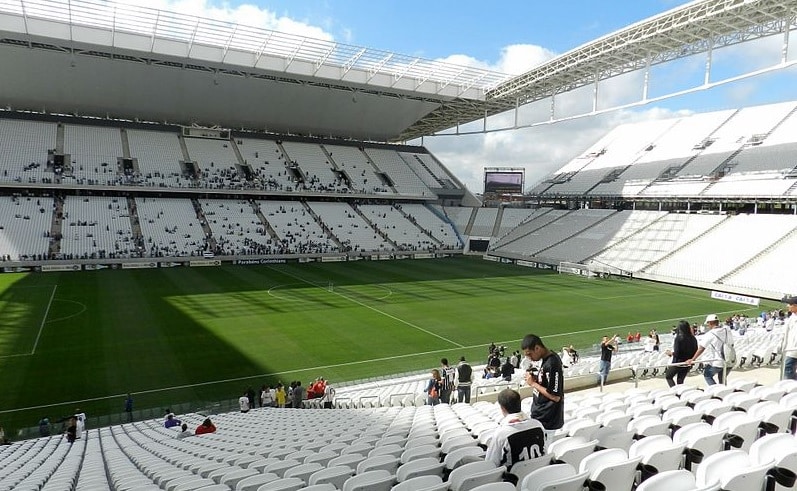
<point x="422" y="483"/>
<point x="285" y="484"/>
<point x="721" y="465"/>
<point x="534" y="480"/>
<point x="574" y="454"/>
<point x="379" y="480"/>
<point x="572" y="483"/>
<point x="523" y="468"/>
<point x="610" y="437"/>
<point x="336" y="475"/>
<point x="601" y="458"/>
<point x="467" y="472"/>
<point x="617" y="476"/>
<point x="419" y="467"/>
<point x="384" y="462"/>
<point x="671" y="480"/>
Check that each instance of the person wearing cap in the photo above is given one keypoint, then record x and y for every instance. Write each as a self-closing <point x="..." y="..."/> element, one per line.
<point x="790" y="339"/>
<point x="711" y="343"/>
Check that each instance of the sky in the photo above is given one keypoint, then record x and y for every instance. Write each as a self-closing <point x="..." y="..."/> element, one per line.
<point x="513" y="36"/>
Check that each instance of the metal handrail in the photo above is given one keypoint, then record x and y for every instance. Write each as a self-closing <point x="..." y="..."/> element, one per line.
<point x="227" y="35"/>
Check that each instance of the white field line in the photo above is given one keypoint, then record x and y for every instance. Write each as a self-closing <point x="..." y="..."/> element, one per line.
<point x="336" y="365"/>
<point x="391" y="316"/>
<point x="44" y="320"/>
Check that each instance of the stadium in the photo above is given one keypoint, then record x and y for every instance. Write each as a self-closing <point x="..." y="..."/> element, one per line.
<point x="190" y="208"/>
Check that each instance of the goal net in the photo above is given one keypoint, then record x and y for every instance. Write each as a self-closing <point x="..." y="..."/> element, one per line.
<point x="576" y="269"/>
<point x="591" y="270"/>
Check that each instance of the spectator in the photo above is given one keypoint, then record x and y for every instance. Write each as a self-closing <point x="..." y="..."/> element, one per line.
<point x="171" y="421"/>
<point x="464" y="380"/>
<point x="573" y="354"/>
<point x="447" y="377"/>
<point x="790" y="339"/>
<point x="650" y="343"/>
<point x="80" y="418"/>
<point x="329" y="396"/>
<point x="185" y="431"/>
<point x="71" y="430"/>
<point x="266" y="397"/>
<point x="280" y="396"/>
<point x="44" y="426"/>
<point x="712" y="343"/>
<point x="518" y="437"/>
<point x="250" y="394"/>
<point x="547" y="384"/>
<point x="207" y="426"/>
<point x="432" y="389"/>
<point x="129" y="407"/>
<point x="243" y="403"/>
<point x="507" y="370"/>
<point x="684" y="347"/>
<point x="297" y="395"/>
<point x="608" y="347"/>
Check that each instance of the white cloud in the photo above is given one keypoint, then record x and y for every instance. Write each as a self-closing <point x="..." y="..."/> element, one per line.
<point x="540" y="150"/>
<point x="243" y="14"/>
<point x="513" y="59"/>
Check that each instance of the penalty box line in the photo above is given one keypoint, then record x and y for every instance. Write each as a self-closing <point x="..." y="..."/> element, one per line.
<point x="41" y="325"/>
<point x="374" y="309"/>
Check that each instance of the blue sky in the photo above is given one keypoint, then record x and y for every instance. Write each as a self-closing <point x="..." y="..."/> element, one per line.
<point x="513" y="36"/>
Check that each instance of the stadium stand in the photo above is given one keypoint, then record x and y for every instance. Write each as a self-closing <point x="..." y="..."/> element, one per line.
<point x="25" y="227"/>
<point x="169" y="227"/>
<point x="25" y="145"/>
<point x="400" y="443"/>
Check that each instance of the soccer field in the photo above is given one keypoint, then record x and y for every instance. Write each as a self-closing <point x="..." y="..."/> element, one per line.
<point x="203" y="334"/>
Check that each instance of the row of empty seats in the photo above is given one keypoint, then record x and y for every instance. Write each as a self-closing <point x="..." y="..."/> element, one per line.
<point x="95" y="152"/>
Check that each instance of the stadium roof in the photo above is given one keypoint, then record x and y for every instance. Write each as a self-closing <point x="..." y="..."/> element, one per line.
<point x="100" y="59"/>
<point x="696" y="27"/>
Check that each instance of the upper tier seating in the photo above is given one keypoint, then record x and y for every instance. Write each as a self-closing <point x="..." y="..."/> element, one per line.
<point x="158" y="155"/>
<point x="405" y="181"/>
<point x="355" y="164"/>
<point x="24" y="146"/>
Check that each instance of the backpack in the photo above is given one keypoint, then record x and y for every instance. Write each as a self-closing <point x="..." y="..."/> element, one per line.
<point x="728" y="351"/>
<point x="464" y="371"/>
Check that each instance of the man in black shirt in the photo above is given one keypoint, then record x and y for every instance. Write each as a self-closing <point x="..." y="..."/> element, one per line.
<point x="547" y="383"/>
<point x="608" y="346"/>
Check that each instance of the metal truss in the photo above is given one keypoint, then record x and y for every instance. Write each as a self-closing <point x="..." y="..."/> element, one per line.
<point x="698" y="27"/>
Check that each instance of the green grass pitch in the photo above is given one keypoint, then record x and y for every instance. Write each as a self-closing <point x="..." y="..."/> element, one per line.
<point x="205" y="334"/>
